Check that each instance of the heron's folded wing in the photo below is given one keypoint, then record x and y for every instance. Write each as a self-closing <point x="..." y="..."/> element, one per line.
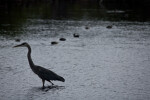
<point x="47" y="74"/>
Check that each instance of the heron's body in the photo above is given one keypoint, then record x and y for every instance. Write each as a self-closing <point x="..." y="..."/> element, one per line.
<point x="43" y="73"/>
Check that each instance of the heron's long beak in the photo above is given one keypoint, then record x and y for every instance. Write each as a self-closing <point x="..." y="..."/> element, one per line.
<point x="17" y="46"/>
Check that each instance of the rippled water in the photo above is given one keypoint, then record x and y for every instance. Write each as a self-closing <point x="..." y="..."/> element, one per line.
<point x="102" y="64"/>
<point x="108" y="64"/>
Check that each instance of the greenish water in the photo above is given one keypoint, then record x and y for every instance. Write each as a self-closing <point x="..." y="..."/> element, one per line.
<point x="14" y="18"/>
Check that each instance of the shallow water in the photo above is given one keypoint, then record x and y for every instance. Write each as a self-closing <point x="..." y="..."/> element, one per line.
<point x="108" y="64"/>
<point x="105" y="64"/>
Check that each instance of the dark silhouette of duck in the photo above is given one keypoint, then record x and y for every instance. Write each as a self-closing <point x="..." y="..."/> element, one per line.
<point x="62" y="39"/>
<point x="109" y="26"/>
<point x="54" y="42"/>
<point x="76" y="35"/>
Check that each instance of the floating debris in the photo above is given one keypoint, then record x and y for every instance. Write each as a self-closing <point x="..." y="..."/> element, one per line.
<point x="54" y="42"/>
<point x="62" y="39"/>
<point x="76" y="35"/>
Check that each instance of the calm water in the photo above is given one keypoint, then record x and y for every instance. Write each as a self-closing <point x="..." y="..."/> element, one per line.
<point x="102" y="64"/>
<point x="14" y="18"/>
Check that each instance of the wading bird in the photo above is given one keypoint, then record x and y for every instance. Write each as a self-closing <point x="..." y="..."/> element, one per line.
<point x="43" y="73"/>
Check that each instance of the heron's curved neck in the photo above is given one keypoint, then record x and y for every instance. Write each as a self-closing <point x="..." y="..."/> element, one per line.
<point x="29" y="56"/>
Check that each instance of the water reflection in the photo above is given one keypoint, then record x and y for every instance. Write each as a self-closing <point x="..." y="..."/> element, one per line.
<point x="40" y="93"/>
<point x="54" y="88"/>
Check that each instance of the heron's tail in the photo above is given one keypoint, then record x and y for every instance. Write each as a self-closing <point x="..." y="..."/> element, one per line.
<point x="61" y="79"/>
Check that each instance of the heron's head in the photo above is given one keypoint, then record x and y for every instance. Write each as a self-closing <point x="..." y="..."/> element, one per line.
<point x="22" y="45"/>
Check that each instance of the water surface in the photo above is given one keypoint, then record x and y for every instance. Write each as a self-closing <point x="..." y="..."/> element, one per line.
<point x="107" y="64"/>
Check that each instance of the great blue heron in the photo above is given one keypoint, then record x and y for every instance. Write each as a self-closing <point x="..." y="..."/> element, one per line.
<point x="43" y="73"/>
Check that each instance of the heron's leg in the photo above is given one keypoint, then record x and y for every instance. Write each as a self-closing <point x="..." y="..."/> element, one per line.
<point x="43" y="82"/>
<point x="51" y="82"/>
